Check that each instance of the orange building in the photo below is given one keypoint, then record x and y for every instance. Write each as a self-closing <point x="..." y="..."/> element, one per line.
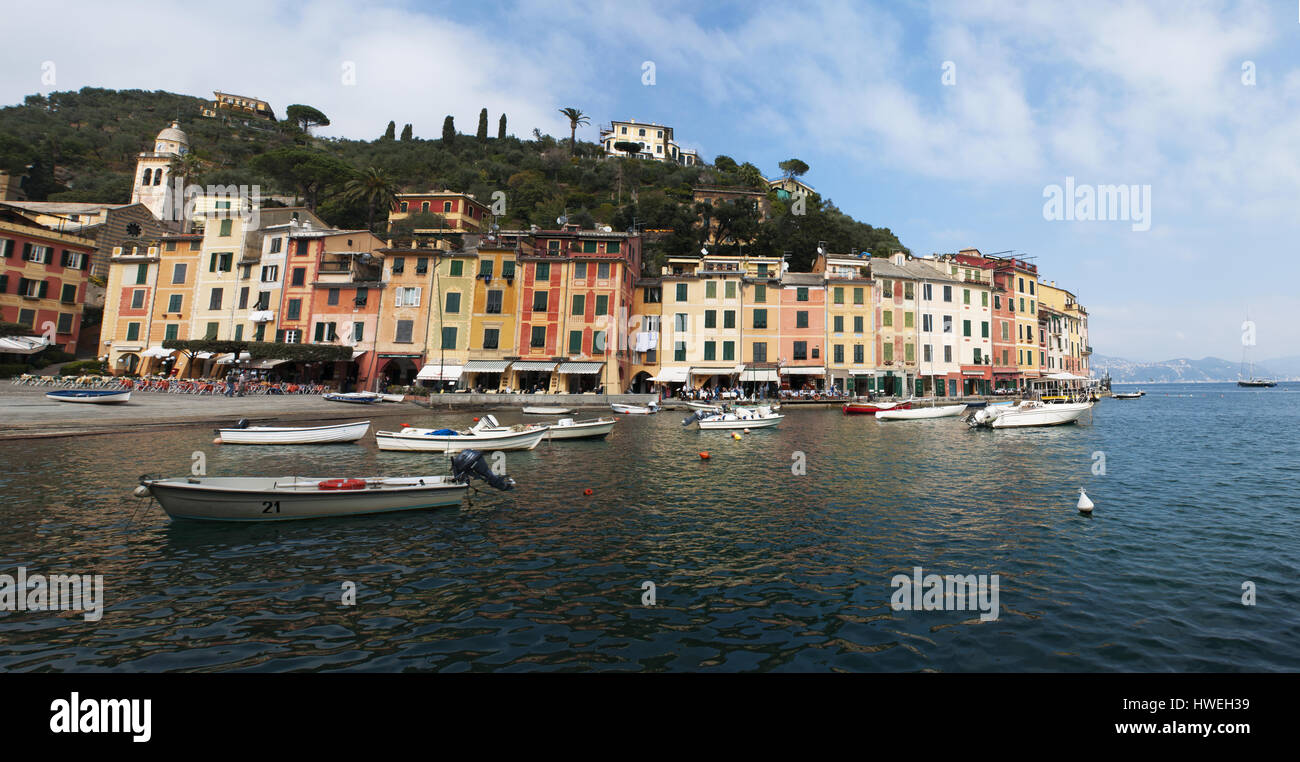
<point x="43" y="280"/>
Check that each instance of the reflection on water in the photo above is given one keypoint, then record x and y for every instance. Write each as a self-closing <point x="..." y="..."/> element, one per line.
<point x="755" y="567"/>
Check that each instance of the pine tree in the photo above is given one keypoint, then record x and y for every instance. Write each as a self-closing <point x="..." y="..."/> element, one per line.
<point x="406" y="132"/>
<point x="501" y="128"/>
<point x="448" y="130"/>
<point x="391" y="132"/>
<point x="482" y="126"/>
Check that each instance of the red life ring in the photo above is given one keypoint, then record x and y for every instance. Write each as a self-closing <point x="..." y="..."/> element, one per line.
<point x="342" y="484"/>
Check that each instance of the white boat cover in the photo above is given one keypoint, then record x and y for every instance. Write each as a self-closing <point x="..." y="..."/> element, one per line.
<point x="22" y="345"/>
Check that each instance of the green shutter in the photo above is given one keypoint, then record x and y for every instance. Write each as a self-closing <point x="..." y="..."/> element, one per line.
<point x="602" y="305"/>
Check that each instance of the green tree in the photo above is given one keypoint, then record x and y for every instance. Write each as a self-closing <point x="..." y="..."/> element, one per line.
<point x="628" y="147"/>
<point x="448" y="131"/>
<point x="407" y="132"/>
<point x="375" y="188"/>
<point x="482" y="126"/>
<point x="576" y="119"/>
<point x="793" y="168"/>
<point x="308" y="172"/>
<point x="391" y="132"/>
<point x="501" y="128"/>
<point x="725" y="163"/>
<point x="306" y="117"/>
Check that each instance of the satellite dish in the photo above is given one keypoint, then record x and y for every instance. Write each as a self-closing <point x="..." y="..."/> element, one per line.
<point x="704" y="251"/>
<point x="820" y="250"/>
<point x="607" y="229"/>
<point x="561" y="220"/>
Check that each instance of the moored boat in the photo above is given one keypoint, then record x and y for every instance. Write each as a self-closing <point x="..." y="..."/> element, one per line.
<point x="1257" y="383"/>
<point x="567" y="428"/>
<point x="1028" y="413"/>
<point x="696" y="405"/>
<point x="761" y="417"/>
<point x="364" y="398"/>
<point x="92" y="396"/>
<point x="921" y="413"/>
<point x="487" y="434"/>
<point x="284" y="498"/>
<point x="292" y="435"/>
<point x="544" y="410"/>
<point x="871" y="408"/>
<point x="619" y="407"/>
<point x="1128" y="395"/>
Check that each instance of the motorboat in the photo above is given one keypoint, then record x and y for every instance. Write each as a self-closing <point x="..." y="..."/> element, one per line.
<point x="284" y="498"/>
<point x="760" y="417"/>
<point x="619" y="407"/>
<point x="1028" y="413"/>
<point x="543" y="410"/>
<point x="487" y="434"/>
<point x="567" y="428"/>
<point x="364" y="398"/>
<point x="1128" y="395"/>
<point x="862" y="407"/>
<point x="293" y="435"/>
<point x="920" y="413"/>
<point x="92" y="396"/>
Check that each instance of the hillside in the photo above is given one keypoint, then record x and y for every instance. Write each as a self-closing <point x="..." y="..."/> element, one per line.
<point x="82" y="146"/>
<point x="1178" y="370"/>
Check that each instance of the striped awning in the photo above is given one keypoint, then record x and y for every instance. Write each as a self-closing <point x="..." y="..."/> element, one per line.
<point x="861" y="372"/>
<point x="526" y="365"/>
<point x="486" y="366"/>
<point x="758" y="374"/>
<point x="581" y="368"/>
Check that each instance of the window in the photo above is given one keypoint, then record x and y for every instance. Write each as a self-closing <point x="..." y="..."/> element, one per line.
<point x="927" y="323"/>
<point x="613" y="247"/>
<point x="299" y="276"/>
<point x="602" y="270"/>
<point x="403" y="333"/>
<point x="887" y="289"/>
<point x="978" y="359"/>
<point x="399" y="264"/>
<point x="277" y="244"/>
<point x="909" y="353"/>
<point x="1006" y="335"/>
<point x="908" y="290"/>
<point x="1031" y="287"/>
<point x="141" y="274"/>
<point x="965" y="328"/>
<point x="710" y="350"/>
<point x="760" y="293"/>
<point x="270" y="273"/>
<point x="325" y="332"/>
<point x="947" y="293"/>
<point x="453" y="303"/>
<point x="539" y="301"/>
<point x="801" y="350"/>
<point x="332" y="297"/>
<point x="801" y="319"/>
<point x="508" y="269"/>
<point x="544" y="271"/>
<point x="760" y="318"/>
<point x="839" y="295"/>
<point x="575" y="342"/>
<point x="407" y="297"/>
<point x="682" y="289"/>
<point x="72" y="259"/>
<point x="602" y="304"/>
<point x="363" y="296"/>
<point x="947" y="323"/>
<point x="984" y="298"/>
<point x="6" y="248"/>
<point x="857" y="354"/>
<point x="243" y="298"/>
<point x="730" y="291"/>
<point x="485" y="269"/>
<point x="446" y="206"/>
<point x="997" y="302"/>
<point x="909" y="320"/>
<point x="679" y="322"/>
<point x="580" y="271"/>
<point x="69" y="294"/>
<point x="214" y="299"/>
<point x="965" y="296"/>
<point x="174" y="303"/>
<point x="494" y="302"/>
<point x="294" y="309"/>
<point x="801" y="294"/>
<point x="760" y="351"/>
<point x="26" y="317"/>
<point x="927" y="353"/>
<point x="710" y="289"/>
<point x="984" y="329"/>
<point x="448" y="337"/>
<point x="857" y="324"/>
<point x="491" y="338"/>
<point x="37" y="254"/>
<point x="132" y="331"/>
<point x="729" y="319"/>
<point x="887" y="318"/>
<point x="171" y="332"/>
<point x="839" y="354"/>
<point x="579" y="305"/>
<point x="211" y="331"/>
<point x="729" y="350"/>
<point x="710" y="318"/>
<point x="857" y="296"/>
<point x="137" y="299"/>
<point x="927" y="292"/>
<point x="457" y="268"/>
<point x="225" y="227"/>
<point x="652" y="294"/>
<point x="679" y="351"/>
<point x="538" y="338"/>
<point x="239" y="332"/>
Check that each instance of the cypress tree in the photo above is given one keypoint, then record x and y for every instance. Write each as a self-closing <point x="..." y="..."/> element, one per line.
<point x="391" y="132"/>
<point x="406" y="132"/>
<point x="501" y="128"/>
<point x="448" y="130"/>
<point x="482" y="126"/>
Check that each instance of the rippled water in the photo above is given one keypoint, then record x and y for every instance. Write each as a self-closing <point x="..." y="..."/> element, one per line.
<point x="755" y="568"/>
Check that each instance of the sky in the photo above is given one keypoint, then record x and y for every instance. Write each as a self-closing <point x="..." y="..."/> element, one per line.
<point x="954" y="124"/>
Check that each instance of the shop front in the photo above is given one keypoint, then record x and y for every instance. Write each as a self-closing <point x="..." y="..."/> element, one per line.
<point x="485" y="375"/>
<point x="760" y="381"/>
<point x="580" y="377"/>
<point x="533" y="375"/>
<point x="803" y="378"/>
<point x="671" y="379"/>
<point x="437" y="377"/>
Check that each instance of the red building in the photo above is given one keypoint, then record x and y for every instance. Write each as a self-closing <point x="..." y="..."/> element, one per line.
<point x="43" y="280"/>
<point x="1006" y="370"/>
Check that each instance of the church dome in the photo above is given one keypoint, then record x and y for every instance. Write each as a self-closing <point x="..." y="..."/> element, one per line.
<point x="174" y="134"/>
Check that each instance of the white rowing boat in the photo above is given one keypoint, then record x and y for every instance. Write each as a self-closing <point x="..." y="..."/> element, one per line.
<point x="543" y="410"/>
<point x="567" y="428"/>
<point x="364" y="398"/>
<point x="487" y="434"/>
<point x="703" y="406"/>
<point x="1029" y="413"/>
<point x="292" y="435"/>
<point x="92" y="396"/>
<point x="920" y="413"/>
<point x="619" y="407"/>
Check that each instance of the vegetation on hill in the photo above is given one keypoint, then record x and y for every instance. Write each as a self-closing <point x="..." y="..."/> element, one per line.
<point x="82" y="146"/>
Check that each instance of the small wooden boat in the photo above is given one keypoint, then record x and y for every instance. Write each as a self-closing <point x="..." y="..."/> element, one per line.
<point x="363" y="398"/>
<point x="740" y="418"/>
<point x="693" y="405"/>
<point x="871" y="408"/>
<point x="292" y="435"/>
<point x="619" y="407"/>
<point x="92" y="396"/>
<point x="567" y="428"/>
<point x="543" y="410"/>
<point x="920" y="413"/>
<point x="1028" y="413"/>
<point x="284" y="498"/>
<point x="487" y="434"/>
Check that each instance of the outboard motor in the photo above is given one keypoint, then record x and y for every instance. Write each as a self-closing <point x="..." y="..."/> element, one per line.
<point x="242" y="423"/>
<point x="697" y="415"/>
<point x="470" y="463"/>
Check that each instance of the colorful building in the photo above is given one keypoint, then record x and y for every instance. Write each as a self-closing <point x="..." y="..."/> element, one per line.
<point x="850" y="318"/>
<point x="344" y="306"/>
<point x="43" y="281"/>
<point x="802" y="341"/>
<point x="459" y="212"/>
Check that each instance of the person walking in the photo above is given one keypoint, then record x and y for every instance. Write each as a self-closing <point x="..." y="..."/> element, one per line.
<point x="243" y="380"/>
<point x="230" y="382"/>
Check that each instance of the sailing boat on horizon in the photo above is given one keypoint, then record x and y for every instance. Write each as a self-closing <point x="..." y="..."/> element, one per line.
<point x="1252" y="381"/>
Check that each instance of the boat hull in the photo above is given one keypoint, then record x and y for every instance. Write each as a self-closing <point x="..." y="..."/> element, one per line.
<point x="582" y="429"/>
<point x="741" y="423"/>
<point x="293" y="498"/>
<point x="1257" y="384"/>
<point x="702" y="406"/>
<point x="287" y="435"/>
<point x="871" y="408"/>
<point x="632" y="409"/>
<point x="921" y="413"/>
<point x="1030" y="414"/>
<point x="419" y="440"/>
<point x="90" y="397"/>
<point x="528" y="410"/>
<point x="355" y="398"/>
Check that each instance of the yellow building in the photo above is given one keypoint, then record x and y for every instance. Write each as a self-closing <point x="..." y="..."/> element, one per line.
<point x="644" y="331"/>
<point x="1024" y="299"/>
<point x="850" y="319"/>
<point x="1067" y="348"/>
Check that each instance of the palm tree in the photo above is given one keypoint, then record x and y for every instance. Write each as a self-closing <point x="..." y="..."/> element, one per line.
<point x="187" y="166"/>
<point x="376" y="188"/>
<point x="576" y="119"/>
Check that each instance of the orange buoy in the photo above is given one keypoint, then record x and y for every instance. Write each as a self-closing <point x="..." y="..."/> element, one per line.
<point x="217" y="440"/>
<point x="588" y="492"/>
<point x="406" y="425"/>
<point x="476" y="419"/>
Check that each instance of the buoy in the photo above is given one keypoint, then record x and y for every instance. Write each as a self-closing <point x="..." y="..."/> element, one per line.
<point x="746" y="431"/>
<point x="1085" y="505"/>
<point x="407" y="425"/>
<point x="217" y="440"/>
<point x="588" y="492"/>
<point x="475" y="420"/>
<point x="735" y="436"/>
<point x="704" y="455"/>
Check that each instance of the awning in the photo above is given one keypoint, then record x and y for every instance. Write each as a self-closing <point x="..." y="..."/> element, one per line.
<point x="671" y="375"/>
<point x="202" y="355"/>
<point x="581" y="368"/>
<point x="435" y="372"/>
<point x="486" y="366"/>
<point x="22" y="345"/>
<point x="1065" y="377"/>
<point x="157" y="352"/>
<point x="229" y="357"/>
<point x="860" y="372"/>
<point x="758" y="374"/>
<point x="804" y="371"/>
<point x="527" y="365"/>
<point x="716" y="370"/>
<point x="264" y="364"/>
<point x="358" y="352"/>
<point x="261" y="316"/>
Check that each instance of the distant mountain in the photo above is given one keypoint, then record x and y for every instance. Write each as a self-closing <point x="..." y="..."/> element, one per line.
<point x="1183" y="370"/>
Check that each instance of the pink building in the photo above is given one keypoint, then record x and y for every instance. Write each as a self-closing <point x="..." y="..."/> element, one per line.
<point x="803" y="331"/>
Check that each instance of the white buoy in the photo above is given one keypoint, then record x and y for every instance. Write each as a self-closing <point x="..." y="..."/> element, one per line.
<point x="1085" y="505"/>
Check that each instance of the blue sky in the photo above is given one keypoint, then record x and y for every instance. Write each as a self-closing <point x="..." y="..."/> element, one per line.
<point x="1109" y="93"/>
